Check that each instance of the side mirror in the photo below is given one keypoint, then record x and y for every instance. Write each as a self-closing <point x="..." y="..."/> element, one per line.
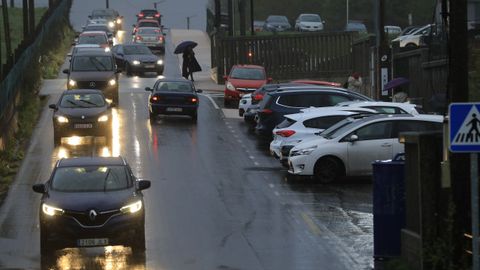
<point x="353" y="138"/>
<point x="143" y="184"/>
<point x="199" y="91"/>
<point x="148" y="89"/>
<point x="66" y="71"/>
<point x="39" y="188"/>
<point x="53" y="106"/>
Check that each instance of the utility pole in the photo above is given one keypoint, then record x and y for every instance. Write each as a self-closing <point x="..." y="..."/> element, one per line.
<point x="243" y="19"/>
<point x="107" y="4"/>
<point x="218" y="15"/>
<point x="12" y="3"/>
<point x="252" y="19"/>
<point x="31" y="17"/>
<point x="25" y="19"/>
<point x="230" y="18"/>
<point x="383" y="53"/>
<point x="6" y="27"/>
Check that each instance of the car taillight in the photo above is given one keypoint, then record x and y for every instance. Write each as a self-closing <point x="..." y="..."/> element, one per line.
<point x="157" y="15"/>
<point x="154" y="99"/>
<point x="140" y="15"/>
<point x="258" y="97"/>
<point x="194" y="100"/>
<point x="266" y="111"/>
<point x="160" y="38"/>
<point x="138" y="38"/>
<point x="285" y="133"/>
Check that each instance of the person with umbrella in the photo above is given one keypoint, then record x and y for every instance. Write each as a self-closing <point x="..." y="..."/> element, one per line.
<point x="190" y="63"/>
<point x="398" y="95"/>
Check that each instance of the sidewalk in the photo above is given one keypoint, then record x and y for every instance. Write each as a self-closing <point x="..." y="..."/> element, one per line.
<point x="203" y="79"/>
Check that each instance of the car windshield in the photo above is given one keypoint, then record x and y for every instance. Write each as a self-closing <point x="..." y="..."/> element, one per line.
<point x="92" y="39"/>
<point x="278" y="19"/>
<point x="103" y="13"/>
<point x="92" y="63"/>
<point x="147" y="24"/>
<point x="82" y="101"/>
<point x="90" y="179"/>
<point x="133" y="50"/>
<point x="310" y="18"/>
<point x="148" y="31"/>
<point x="96" y="28"/>
<point x="356" y="27"/>
<point x="248" y="74"/>
<point x="184" y="87"/>
<point x="149" y="12"/>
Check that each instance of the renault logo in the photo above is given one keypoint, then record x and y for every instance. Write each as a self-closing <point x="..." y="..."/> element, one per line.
<point x="92" y="84"/>
<point x="92" y="215"/>
<point x="83" y="116"/>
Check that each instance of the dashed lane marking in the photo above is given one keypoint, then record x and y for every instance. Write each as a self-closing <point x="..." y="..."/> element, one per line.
<point x="311" y="224"/>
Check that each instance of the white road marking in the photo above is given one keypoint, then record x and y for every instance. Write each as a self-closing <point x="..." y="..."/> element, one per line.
<point x="211" y="100"/>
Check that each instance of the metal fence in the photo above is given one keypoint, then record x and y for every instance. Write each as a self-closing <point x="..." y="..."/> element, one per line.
<point x="310" y="55"/>
<point x="26" y="58"/>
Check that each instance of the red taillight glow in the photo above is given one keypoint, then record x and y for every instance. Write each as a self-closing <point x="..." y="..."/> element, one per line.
<point x="258" y="97"/>
<point x="138" y="38"/>
<point x="160" y="38"/>
<point x="194" y="100"/>
<point x="157" y="15"/>
<point x="266" y="111"/>
<point x="140" y="14"/>
<point x="154" y="99"/>
<point x="285" y="133"/>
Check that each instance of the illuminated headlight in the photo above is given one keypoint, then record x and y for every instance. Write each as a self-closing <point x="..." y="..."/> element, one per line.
<point x="132" y="208"/>
<point x="103" y="118"/>
<point x="112" y="82"/>
<point x="107" y="49"/>
<point x="62" y="119"/>
<point x="51" y="211"/>
<point x="111" y="24"/>
<point x="72" y="83"/>
<point x="119" y="21"/>
<point x="136" y="62"/>
<point x="230" y="86"/>
<point x="303" y="152"/>
<point x="160" y="62"/>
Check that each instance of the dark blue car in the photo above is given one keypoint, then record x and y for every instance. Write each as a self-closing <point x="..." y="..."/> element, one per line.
<point x="173" y="97"/>
<point x="92" y="201"/>
<point x="275" y="105"/>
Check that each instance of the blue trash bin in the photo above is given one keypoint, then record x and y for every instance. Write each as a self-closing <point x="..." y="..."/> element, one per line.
<point x="388" y="207"/>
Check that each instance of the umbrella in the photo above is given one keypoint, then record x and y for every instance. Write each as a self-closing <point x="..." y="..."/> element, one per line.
<point x="395" y="83"/>
<point x="183" y="45"/>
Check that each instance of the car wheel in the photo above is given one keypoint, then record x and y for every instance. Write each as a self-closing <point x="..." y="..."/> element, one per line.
<point x="128" y="69"/>
<point x="138" y="243"/>
<point x="327" y="170"/>
<point x="57" y="139"/>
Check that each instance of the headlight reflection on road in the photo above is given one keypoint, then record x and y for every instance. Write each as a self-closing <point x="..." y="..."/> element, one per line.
<point x="74" y="140"/>
<point x="115" y="133"/>
<point x="62" y="152"/>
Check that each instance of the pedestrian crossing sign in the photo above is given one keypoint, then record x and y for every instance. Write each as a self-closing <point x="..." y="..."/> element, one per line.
<point x="464" y="127"/>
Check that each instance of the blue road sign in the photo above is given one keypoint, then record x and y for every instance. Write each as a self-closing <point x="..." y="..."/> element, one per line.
<point x="464" y="127"/>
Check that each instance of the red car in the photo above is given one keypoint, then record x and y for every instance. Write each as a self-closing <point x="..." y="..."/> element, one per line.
<point x="243" y="79"/>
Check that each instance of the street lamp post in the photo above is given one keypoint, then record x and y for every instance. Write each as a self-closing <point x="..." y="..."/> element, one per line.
<point x="158" y="2"/>
<point x="347" y="14"/>
<point x="188" y="20"/>
<point x="107" y="4"/>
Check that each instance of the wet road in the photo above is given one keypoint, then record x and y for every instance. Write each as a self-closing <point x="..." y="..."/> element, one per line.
<point x="217" y="201"/>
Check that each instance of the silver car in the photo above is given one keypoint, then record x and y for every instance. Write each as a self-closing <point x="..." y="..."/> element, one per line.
<point x="152" y="37"/>
<point x="309" y="23"/>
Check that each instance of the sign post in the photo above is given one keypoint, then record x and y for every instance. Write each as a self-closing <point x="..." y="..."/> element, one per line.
<point x="464" y="137"/>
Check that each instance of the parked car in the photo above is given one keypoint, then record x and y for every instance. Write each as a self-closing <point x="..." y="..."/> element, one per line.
<point x="392" y="31"/>
<point x="89" y="202"/>
<point x="349" y="147"/>
<point x="356" y="26"/>
<point x="409" y="29"/>
<point x="276" y="23"/>
<point x="258" y="25"/>
<point x="416" y="38"/>
<point x="152" y="37"/>
<point x="151" y="14"/>
<point x="307" y="124"/>
<point x="82" y="112"/>
<point x="243" y="79"/>
<point x="137" y="59"/>
<point x="244" y="103"/>
<point x="145" y="23"/>
<point x="114" y="19"/>
<point x="173" y="97"/>
<point x="276" y="104"/>
<point x="93" y="37"/>
<point x="309" y="22"/>
<point x="94" y="70"/>
<point x="386" y="107"/>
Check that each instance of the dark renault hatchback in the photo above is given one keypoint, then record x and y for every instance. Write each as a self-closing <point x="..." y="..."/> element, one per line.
<point x="275" y="105"/>
<point x="173" y="97"/>
<point x="92" y="201"/>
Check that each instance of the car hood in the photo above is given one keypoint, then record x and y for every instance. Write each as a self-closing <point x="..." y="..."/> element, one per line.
<point x="240" y="83"/>
<point x="77" y="112"/>
<point x="310" y="23"/>
<point x="279" y="24"/>
<point x="310" y="143"/>
<point x="91" y="75"/>
<point x="85" y="201"/>
<point x="141" y="57"/>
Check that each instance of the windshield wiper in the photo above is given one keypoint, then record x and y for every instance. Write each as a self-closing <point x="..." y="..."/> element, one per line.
<point x="89" y="102"/>
<point x="95" y="61"/>
<point x="105" y="180"/>
<point x="76" y="104"/>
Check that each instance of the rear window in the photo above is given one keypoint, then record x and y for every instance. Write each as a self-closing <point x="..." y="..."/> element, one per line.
<point x="323" y="122"/>
<point x="148" y="24"/>
<point x="183" y="87"/>
<point x="90" y="179"/>
<point x="286" y="123"/>
<point x="149" y="31"/>
<point x="247" y="74"/>
<point x="92" y="39"/>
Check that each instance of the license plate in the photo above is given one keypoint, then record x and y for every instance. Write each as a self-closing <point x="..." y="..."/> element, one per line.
<point x="149" y="66"/>
<point x="91" y="242"/>
<point x="174" y="109"/>
<point x="83" y="126"/>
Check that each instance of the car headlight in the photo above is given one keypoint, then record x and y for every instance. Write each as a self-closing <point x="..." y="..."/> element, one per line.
<point x="160" y="62"/>
<point x="72" y="83"/>
<point x="119" y="21"/>
<point x="62" y="119"/>
<point x="103" y="118"/>
<point x="111" y="24"/>
<point x="132" y="208"/>
<point x="136" y="62"/>
<point x="112" y="82"/>
<point x="230" y="86"/>
<point x="303" y="152"/>
<point x="50" y="210"/>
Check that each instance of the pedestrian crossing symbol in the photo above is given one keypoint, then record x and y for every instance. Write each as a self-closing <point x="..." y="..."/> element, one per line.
<point x="464" y="127"/>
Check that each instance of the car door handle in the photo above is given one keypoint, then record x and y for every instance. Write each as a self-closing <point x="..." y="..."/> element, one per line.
<point x="386" y="145"/>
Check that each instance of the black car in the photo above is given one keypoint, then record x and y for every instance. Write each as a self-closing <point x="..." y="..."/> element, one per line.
<point x="82" y="112"/>
<point x="173" y="97"/>
<point x="137" y="59"/>
<point x="277" y="23"/>
<point x="114" y="20"/>
<point x="275" y="105"/>
<point x="149" y="14"/>
<point x="92" y="201"/>
<point x="94" y="70"/>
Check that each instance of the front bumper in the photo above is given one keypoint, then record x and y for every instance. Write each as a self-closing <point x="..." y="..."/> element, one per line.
<point x="275" y="147"/>
<point x="300" y="165"/>
<point x="88" y="128"/>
